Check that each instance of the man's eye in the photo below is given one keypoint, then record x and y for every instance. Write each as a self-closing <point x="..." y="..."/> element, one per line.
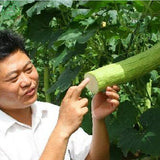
<point x="14" y="79"/>
<point x="28" y="70"/>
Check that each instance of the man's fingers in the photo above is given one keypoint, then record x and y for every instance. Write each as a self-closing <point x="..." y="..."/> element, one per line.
<point x="75" y="91"/>
<point x="83" y="102"/>
<point x="79" y="88"/>
<point x="114" y="103"/>
<point x="83" y="84"/>
<point x="114" y="88"/>
<point x="70" y="92"/>
<point x="84" y="110"/>
<point x="112" y="95"/>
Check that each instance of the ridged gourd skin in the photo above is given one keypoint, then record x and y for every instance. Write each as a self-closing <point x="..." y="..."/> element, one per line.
<point x="124" y="71"/>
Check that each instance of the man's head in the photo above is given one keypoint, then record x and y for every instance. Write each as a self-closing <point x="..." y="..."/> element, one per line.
<point x="10" y="42"/>
<point x="18" y="76"/>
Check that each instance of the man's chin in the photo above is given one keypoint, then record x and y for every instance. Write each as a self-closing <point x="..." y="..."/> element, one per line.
<point x="30" y="101"/>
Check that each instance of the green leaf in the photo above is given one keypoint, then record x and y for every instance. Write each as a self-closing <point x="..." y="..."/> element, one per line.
<point x="4" y="3"/>
<point x="114" y="128"/>
<point x="113" y="41"/>
<point x="113" y="16"/>
<point x="130" y="140"/>
<point x="126" y="118"/>
<point x="150" y="122"/>
<point x="146" y="140"/>
<point x="20" y="3"/>
<point x="139" y="5"/>
<point x="87" y="21"/>
<point x="127" y="114"/>
<point x="10" y="11"/>
<point x="87" y="35"/>
<point x="154" y="75"/>
<point x="67" y="3"/>
<point x="155" y="8"/>
<point x="37" y="8"/>
<point x="78" y="49"/>
<point x="126" y="41"/>
<point x="59" y="59"/>
<point x="42" y="5"/>
<point x="150" y="143"/>
<point x="70" y="34"/>
<point x="65" y="79"/>
<point x="96" y="5"/>
<point x="79" y="14"/>
<point x="115" y="153"/>
<point x="39" y="30"/>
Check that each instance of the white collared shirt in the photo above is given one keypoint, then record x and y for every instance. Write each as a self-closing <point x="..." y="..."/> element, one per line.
<point x="22" y="142"/>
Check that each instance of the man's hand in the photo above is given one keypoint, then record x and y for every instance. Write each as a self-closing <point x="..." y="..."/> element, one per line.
<point x="73" y="108"/>
<point x="104" y="104"/>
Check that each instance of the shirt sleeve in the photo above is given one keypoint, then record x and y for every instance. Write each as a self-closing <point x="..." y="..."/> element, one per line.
<point x="79" y="145"/>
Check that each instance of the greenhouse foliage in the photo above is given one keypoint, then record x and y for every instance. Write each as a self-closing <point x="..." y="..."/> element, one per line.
<point x="66" y="39"/>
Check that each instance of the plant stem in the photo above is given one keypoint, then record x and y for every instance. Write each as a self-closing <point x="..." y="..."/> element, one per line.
<point x="46" y="84"/>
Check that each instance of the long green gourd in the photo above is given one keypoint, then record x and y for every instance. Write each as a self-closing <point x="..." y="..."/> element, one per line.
<point x="125" y="70"/>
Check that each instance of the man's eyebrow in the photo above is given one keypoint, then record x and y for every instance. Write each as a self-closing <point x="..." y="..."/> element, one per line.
<point x="15" y="71"/>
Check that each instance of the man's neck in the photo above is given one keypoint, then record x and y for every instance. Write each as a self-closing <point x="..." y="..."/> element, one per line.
<point x="21" y="115"/>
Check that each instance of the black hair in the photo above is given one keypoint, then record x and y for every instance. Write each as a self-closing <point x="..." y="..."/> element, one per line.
<point x="9" y="43"/>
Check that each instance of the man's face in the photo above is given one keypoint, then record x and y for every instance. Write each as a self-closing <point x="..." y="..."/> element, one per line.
<point x="18" y="81"/>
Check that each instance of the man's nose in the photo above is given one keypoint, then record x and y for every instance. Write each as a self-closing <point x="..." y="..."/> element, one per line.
<point x="25" y="80"/>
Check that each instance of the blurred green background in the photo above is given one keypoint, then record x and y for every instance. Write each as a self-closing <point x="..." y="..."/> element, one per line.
<point x="66" y="39"/>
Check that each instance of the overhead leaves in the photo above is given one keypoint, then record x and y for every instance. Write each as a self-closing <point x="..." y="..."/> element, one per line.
<point x="70" y="34"/>
<point x="39" y="6"/>
<point x="67" y="54"/>
<point x="40" y="31"/>
<point x="20" y="3"/>
<point x="65" y="79"/>
<point x="73" y="37"/>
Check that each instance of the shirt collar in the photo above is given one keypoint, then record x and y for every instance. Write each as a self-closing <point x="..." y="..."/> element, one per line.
<point x="38" y="112"/>
<point x="6" y="122"/>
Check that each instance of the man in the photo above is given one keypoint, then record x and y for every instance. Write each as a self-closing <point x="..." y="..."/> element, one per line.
<point x="32" y="130"/>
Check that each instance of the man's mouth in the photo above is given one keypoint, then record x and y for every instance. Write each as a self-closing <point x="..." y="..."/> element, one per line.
<point x="30" y="92"/>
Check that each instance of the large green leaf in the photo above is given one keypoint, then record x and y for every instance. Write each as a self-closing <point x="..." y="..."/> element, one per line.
<point x="79" y="14"/>
<point x="130" y="140"/>
<point x="115" y="153"/>
<point x="39" y="30"/>
<point x="88" y="21"/>
<point x="20" y="3"/>
<point x="96" y="5"/>
<point x="126" y="118"/>
<point x="78" y="49"/>
<point x="64" y="55"/>
<point x="155" y="7"/>
<point x="59" y="59"/>
<point x="4" y="3"/>
<point x="70" y="34"/>
<point x="145" y="140"/>
<point x="87" y="35"/>
<point x="65" y="79"/>
<point x="39" y="6"/>
<point x="8" y="10"/>
<point x="150" y="122"/>
<point x="127" y="114"/>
